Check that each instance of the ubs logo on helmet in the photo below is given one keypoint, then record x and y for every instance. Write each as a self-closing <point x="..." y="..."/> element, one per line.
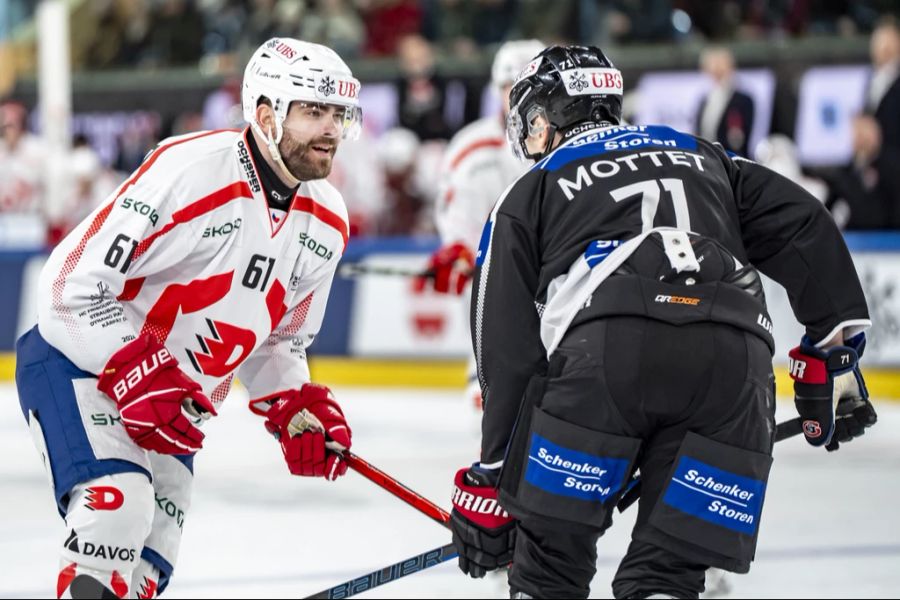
<point x="281" y="48"/>
<point x="577" y="81"/>
<point x="326" y="88"/>
<point x="348" y="89"/>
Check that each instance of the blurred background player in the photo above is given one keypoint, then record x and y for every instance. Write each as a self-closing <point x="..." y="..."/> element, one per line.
<point x="477" y="167"/>
<point x="215" y="257"/>
<point x="21" y="160"/>
<point x="588" y="279"/>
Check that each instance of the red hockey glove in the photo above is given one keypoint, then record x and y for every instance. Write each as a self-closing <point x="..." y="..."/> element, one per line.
<point x="311" y="428"/>
<point x="149" y="388"/>
<point x="452" y="267"/>
<point x="483" y="532"/>
<point x="829" y="392"/>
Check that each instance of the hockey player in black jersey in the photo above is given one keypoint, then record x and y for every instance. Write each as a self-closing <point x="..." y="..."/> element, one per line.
<point x="620" y="327"/>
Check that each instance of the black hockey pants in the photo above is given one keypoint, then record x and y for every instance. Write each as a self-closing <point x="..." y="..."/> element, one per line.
<point x="691" y="405"/>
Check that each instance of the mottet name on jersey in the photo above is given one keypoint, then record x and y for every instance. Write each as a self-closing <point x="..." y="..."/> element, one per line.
<point x="603" y="168"/>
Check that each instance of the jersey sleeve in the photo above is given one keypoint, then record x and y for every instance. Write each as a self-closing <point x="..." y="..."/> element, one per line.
<point x="505" y="325"/>
<point x="280" y="363"/>
<point x="79" y="308"/>
<point x="791" y="238"/>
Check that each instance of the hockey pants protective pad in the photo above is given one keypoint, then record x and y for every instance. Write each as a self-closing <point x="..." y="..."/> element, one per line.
<point x="562" y="471"/>
<point x="713" y="500"/>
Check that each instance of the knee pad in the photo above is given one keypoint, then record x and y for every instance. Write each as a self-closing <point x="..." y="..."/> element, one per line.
<point x="107" y="521"/>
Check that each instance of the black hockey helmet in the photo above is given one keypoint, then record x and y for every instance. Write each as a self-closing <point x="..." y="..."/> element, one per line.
<point x="568" y="86"/>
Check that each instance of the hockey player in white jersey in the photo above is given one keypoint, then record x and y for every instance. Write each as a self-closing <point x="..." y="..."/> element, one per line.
<point x="214" y="259"/>
<point x="477" y="167"/>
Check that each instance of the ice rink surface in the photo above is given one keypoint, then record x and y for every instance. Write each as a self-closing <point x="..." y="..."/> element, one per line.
<point x="830" y="528"/>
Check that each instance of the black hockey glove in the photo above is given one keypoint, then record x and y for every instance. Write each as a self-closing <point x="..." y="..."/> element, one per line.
<point x="829" y="392"/>
<point x="483" y="532"/>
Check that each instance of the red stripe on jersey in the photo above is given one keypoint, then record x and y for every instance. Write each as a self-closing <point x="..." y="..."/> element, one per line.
<point x="484" y="143"/>
<point x="308" y="205"/>
<point x="131" y="290"/>
<point x="275" y="303"/>
<point x="232" y="191"/>
<point x="145" y="166"/>
<point x="298" y="318"/>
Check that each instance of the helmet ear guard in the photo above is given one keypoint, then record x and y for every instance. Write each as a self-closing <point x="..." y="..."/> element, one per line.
<point x="574" y="85"/>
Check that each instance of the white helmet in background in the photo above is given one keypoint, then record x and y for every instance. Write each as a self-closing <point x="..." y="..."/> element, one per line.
<point x="285" y="70"/>
<point x="511" y="58"/>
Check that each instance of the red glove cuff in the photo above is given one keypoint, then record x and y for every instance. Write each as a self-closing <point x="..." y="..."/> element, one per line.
<point x="807" y="369"/>
<point x="478" y="504"/>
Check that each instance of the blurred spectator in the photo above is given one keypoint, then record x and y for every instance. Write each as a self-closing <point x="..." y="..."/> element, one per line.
<point x="21" y="163"/>
<point x="422" y="93"/>
<point x="883" y="93"/>
<point x="388" y="22"/>
<point x="134" y="144"/>
<point x="726" y="114"/>
<point x="222" y="108"/>
<point x="779" y="153"/>
<point x="405" y="203"/>
<point x="865" y="194"/>
<point x="112" y="33"/>
<point x="176" y="34"/>
<point x="89" y="184"/>
<point x="358" y="175"/>
<point x="335" y="24"/>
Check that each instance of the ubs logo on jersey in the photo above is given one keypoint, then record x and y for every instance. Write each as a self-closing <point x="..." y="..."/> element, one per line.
<point x="224" y="351"/>
<point x="247" y="164"/>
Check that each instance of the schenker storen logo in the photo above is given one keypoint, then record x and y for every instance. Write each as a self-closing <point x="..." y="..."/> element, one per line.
<point x="567" y="472"/>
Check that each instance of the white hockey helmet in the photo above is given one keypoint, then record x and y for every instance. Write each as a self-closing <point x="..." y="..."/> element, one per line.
<point x="511" y="58"/>
<point x="285" y="70"/>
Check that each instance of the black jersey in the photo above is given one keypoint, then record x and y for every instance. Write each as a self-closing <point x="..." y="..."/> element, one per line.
<point x="612" y="184"/>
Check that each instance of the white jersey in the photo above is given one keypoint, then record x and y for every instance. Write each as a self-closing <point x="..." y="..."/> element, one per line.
<point x="187" y="250"/>
<point x="477" y="168"/>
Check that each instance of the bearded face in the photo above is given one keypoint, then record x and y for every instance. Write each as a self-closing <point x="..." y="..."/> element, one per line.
<point x="310" y="159"/>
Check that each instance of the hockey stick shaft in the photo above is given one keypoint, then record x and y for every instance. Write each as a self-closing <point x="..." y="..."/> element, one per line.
<point x="304" y="421"/>
<point x="386" y="482"/>
<point x="358" y="269"/>
<point x="404" y="567"/>
<point x="390" y="573"/>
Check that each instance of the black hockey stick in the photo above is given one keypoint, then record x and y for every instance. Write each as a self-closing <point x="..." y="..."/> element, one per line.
<point x="390" y="573"/>
<point x="783" y="431"/>
<point x="349" y="270"/>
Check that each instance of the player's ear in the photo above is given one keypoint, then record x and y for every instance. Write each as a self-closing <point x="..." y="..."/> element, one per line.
<point x="265" y="116"/>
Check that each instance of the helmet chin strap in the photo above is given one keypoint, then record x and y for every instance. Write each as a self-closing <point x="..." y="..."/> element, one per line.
<point x="272" y="145"/>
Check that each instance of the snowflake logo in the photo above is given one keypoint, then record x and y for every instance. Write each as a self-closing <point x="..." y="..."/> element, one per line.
<point x="578" y="81"/>
<point x="326" y="88"/>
